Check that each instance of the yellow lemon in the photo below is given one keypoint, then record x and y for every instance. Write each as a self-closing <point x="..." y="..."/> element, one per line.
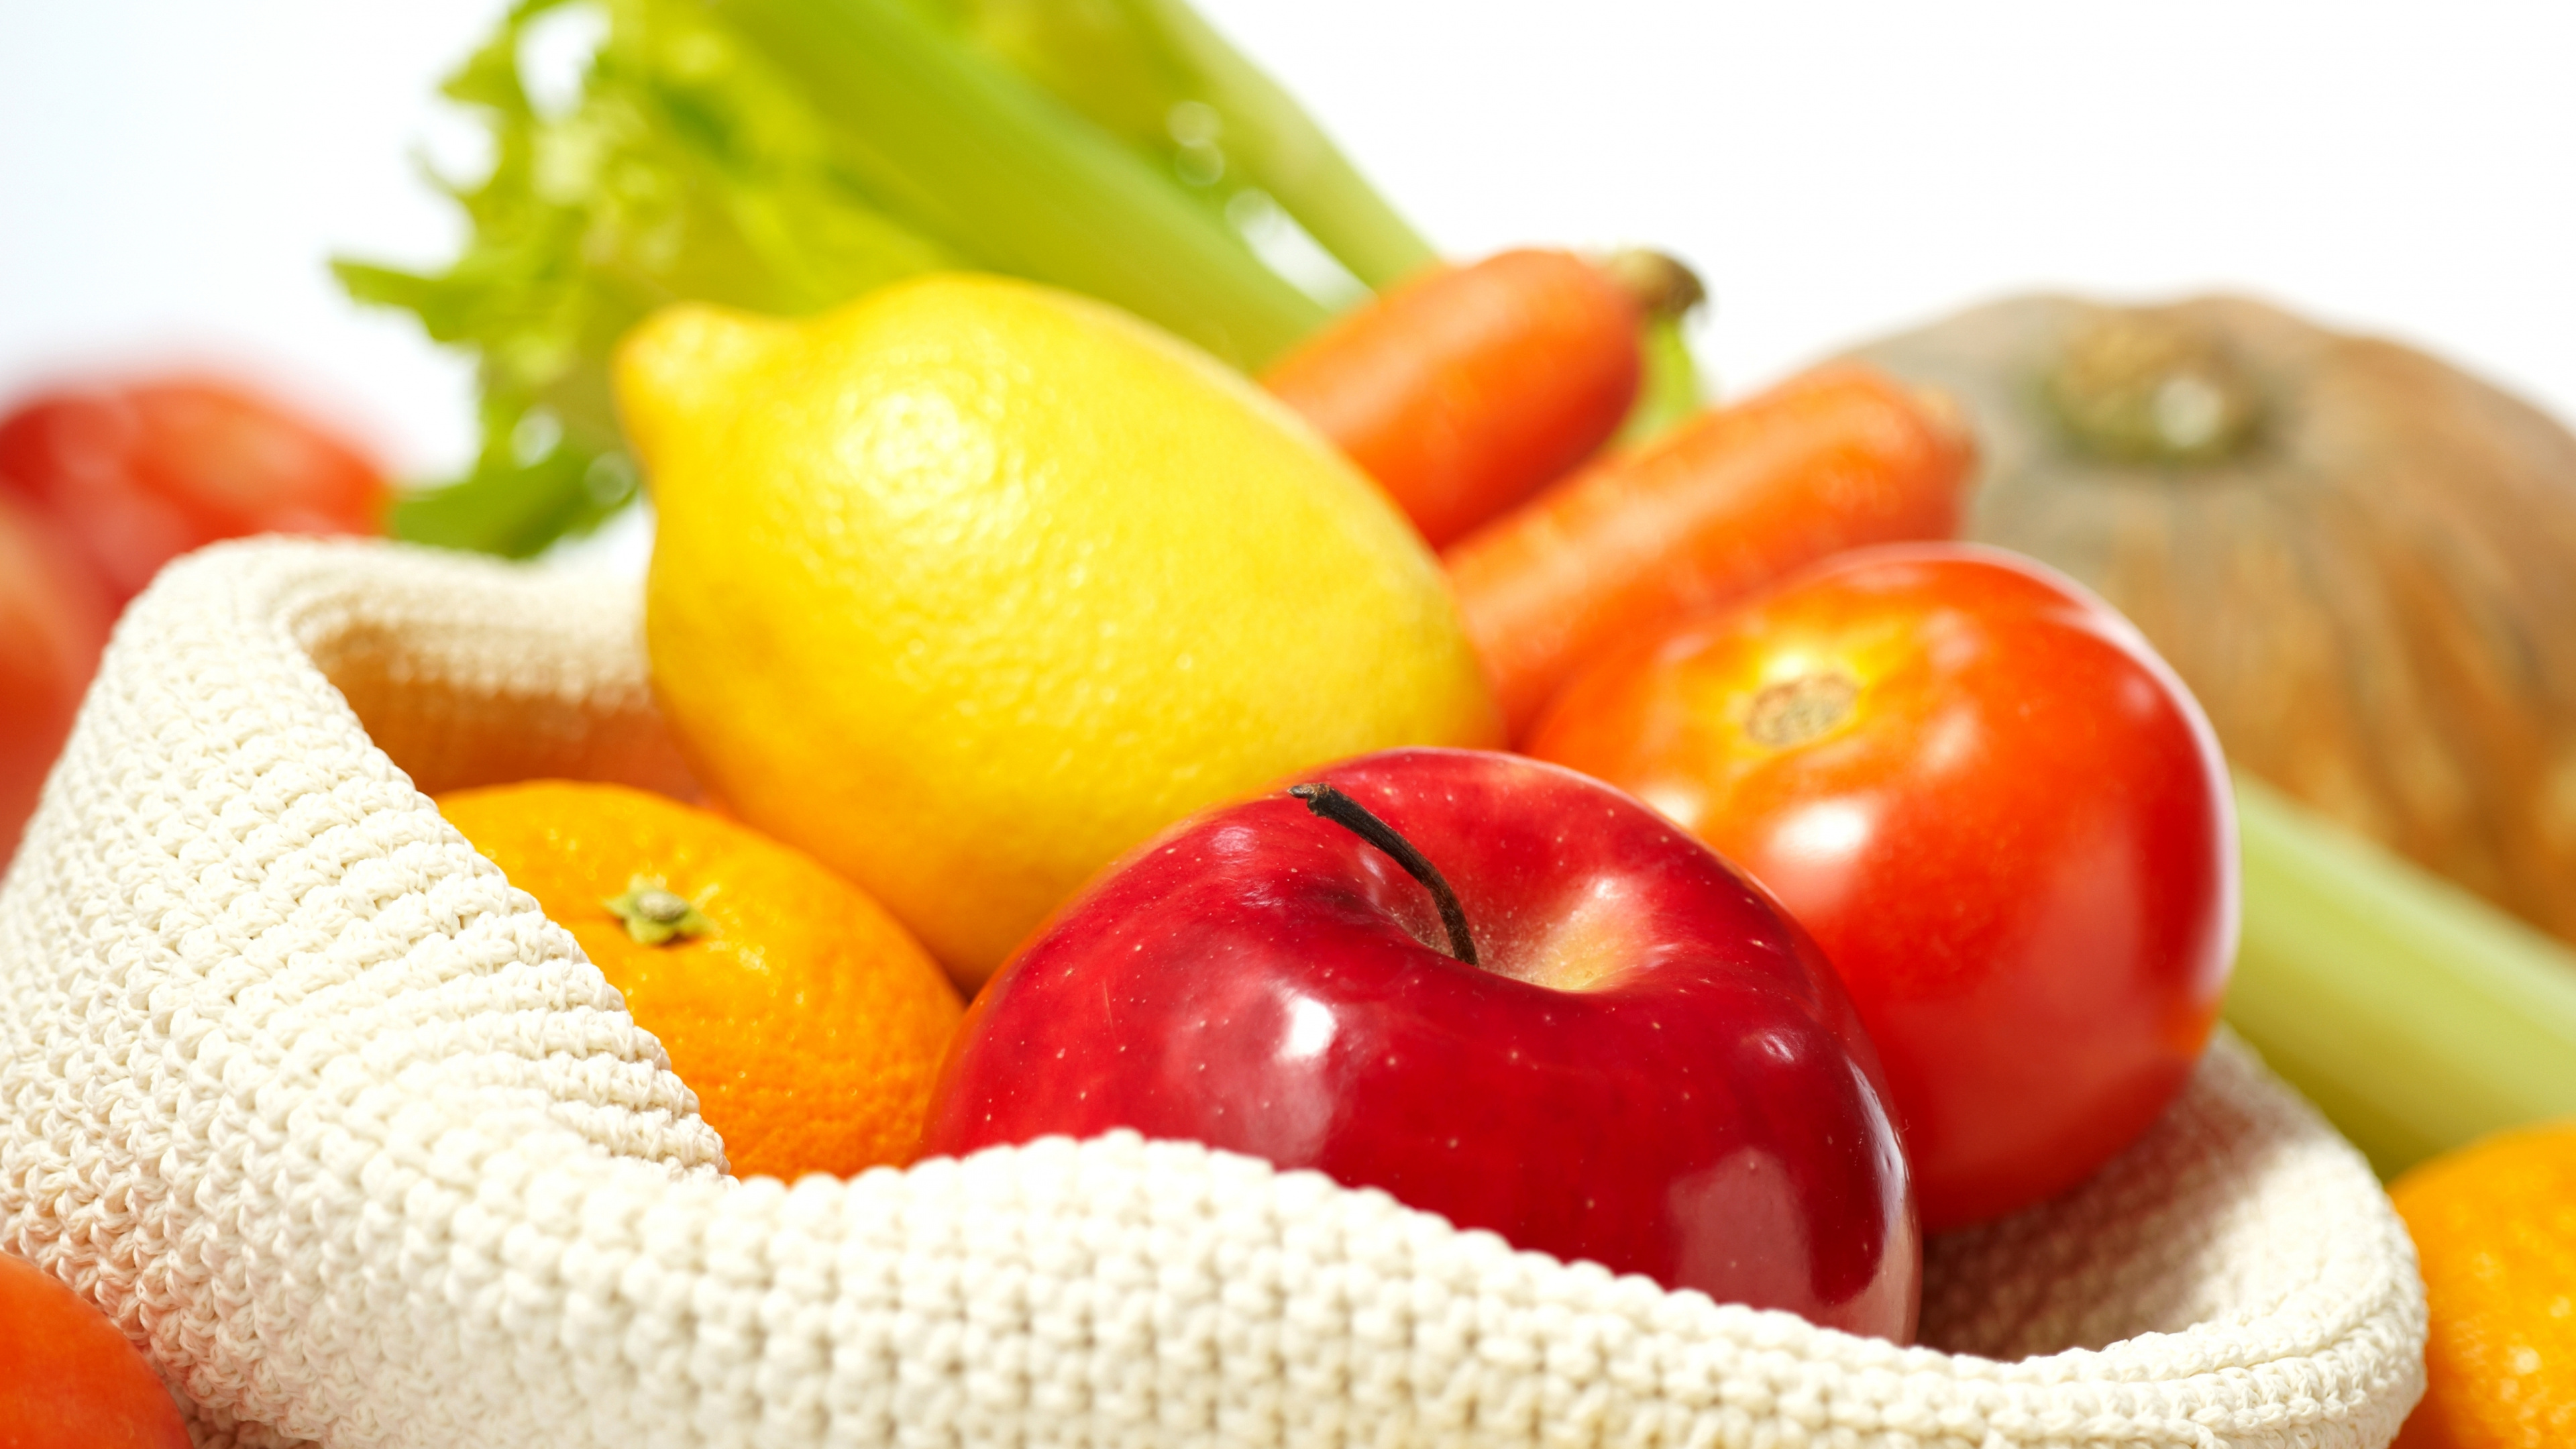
<point x="969" y="586"/>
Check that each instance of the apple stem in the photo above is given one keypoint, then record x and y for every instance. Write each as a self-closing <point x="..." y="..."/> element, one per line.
<point x="1330" y="803"/>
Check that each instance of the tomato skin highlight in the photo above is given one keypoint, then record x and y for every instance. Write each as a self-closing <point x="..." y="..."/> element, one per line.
<point x="68" y="1377"/>
<point x="2001" y="815"/>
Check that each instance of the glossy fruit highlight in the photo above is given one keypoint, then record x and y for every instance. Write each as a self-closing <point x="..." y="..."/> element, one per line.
<point x="2001" y="816"/>
<point x="1650" y="1067"/>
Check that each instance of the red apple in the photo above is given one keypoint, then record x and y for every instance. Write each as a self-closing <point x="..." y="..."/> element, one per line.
<point x="1651" y="1066"/>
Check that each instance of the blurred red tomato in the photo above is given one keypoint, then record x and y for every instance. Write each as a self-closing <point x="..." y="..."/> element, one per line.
<point x="2000" y="814"/>
<point x="68" y="1378"/>
<point x="143" y="473"/>
<point x="53" y="619"/>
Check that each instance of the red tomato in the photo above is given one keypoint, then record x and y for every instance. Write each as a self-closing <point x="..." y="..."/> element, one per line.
<point x="68" y="1378"/>
<point x="53" y="618"/>
<point x="2001" y="815"/>
<point x="142" y="474"/>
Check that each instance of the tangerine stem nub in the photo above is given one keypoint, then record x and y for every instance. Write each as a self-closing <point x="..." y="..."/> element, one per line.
<point x="1329" y="802"/>
<point x="656" y="915"/>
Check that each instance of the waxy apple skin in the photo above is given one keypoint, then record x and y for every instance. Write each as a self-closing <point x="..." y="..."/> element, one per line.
<point x="1692" y="1098"/>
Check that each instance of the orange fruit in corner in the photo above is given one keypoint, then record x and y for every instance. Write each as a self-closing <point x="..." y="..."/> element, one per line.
<point x="2495" y="1231"/>
<point x="69" y="1375"/>
<point x="807" y="1021"/>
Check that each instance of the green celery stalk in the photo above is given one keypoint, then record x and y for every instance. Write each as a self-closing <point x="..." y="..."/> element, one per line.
<point x="1285" y="153"/>
<point x="1671" y="389"/>
<point x="1004" y="173"/>
<point x="684" y="169"/>
<point x="1156" y="74"/>
<point x="2414" y="1014"/>
<point x="818" y="150"/>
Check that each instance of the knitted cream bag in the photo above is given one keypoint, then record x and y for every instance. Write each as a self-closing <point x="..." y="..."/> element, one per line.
<point x="354" y="1142"/>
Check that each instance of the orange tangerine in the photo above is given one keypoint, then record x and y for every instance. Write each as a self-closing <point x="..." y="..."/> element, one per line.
<point x="2495" y="1230"/>
<point x="807" y="1021"/>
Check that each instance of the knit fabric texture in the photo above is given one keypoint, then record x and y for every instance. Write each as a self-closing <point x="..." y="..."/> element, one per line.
<point x="355" y="1144"/>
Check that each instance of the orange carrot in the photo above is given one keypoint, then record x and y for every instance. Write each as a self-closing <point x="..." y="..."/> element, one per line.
<point x="1466" y="388"/>
<point x="1718" y="507"/>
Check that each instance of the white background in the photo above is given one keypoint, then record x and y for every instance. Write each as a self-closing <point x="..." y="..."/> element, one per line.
<point x="172" y="175"/>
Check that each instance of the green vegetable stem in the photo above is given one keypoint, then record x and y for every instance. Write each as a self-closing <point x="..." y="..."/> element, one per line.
<point x="1013" y="178"/>
<point x="785" y="155"/>
<point x="1157" y="75"/>
<point x="1671" y="390"/>
<point x="2415" y="1015"/>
